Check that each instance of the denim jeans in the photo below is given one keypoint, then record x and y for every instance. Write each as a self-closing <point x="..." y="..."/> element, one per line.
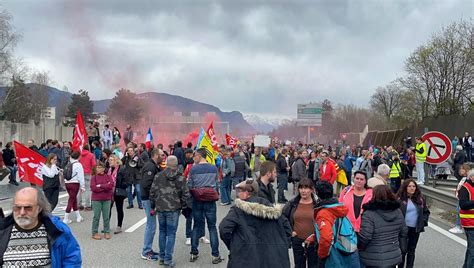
<point x="204" y="211"/>
<point x="168" y="221"/>
<point x="107" y="144"/>
<point x="101" y="208"/>
<point x="226" y="187"/>
<point x="13" y="170"/>
<point x="150" y="228"/>
<point x="189" y="227"/>
<point x="356" y="262"/>
<point x="84" y="199"/>
<point x="138" y="193"/>
<point x="458" y="218"/>
<point x="282" y="181"/>
<point x="420" y="170"/>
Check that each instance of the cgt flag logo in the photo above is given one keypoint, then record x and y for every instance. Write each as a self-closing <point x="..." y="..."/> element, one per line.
<point x="80" y="133"/>
<point x="231" y="141"/>
<point x="29" y="164"/>
<point x="212" y="135"/>
<point x="210" y="151"/>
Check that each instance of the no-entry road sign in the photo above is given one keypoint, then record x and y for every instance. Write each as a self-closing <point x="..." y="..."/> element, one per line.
<point x="438" y="146"/>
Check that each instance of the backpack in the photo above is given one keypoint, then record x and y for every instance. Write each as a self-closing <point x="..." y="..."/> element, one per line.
<point x="67" y="172"/>
<point x="345" y="238"/>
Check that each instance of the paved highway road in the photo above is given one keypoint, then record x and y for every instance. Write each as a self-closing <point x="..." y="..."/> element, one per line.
<point x="437" y="247"/>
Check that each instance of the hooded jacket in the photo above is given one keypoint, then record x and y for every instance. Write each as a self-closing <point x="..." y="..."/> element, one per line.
<point x="298" y="169"/>
<point x="328" y="172"/>
<point x="324" y="218"/>
<point x="169" y="191"/>
<point x="382" y="227"/>
<point x="256" y="235"/>
<point x="88" y="161"/>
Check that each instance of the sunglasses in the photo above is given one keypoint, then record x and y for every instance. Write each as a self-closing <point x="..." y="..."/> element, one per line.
<point x="28" y="208"/>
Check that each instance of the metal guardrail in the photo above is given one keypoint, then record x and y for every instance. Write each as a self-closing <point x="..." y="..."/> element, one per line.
<point x="439" y="195"/>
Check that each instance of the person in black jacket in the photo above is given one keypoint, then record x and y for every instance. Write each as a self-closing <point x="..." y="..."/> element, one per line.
<point x="132" y="164"/>
<point x="299" y="212"/>
<point x="149" y="171"/>
<point x="416" y="213"/>
<point x="459" y="159"/>
<point x="282" y="175"/>
<point x="179" y="153"/>
<point x="254" y="231"/>
<point x="10" y="161"/>
<point x="267" y="177"/>
<point x="382" y="228"/>
<point x="120" y="191"/>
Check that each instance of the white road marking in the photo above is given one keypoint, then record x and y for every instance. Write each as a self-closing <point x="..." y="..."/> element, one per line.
<point x="447" y="234"/>
<point x="136" y="226"/>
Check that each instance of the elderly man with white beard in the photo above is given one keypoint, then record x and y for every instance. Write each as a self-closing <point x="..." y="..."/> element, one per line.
<point x="32" y="237"/>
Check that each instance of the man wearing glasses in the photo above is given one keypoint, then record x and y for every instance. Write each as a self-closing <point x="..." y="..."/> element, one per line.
<point x="31" y="236"/>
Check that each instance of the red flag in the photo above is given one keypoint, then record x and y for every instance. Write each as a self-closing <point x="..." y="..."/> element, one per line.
<point x="212" y="134"/>
<point x="80" y="133"/>
<point x="231" y="141"/>
<point x="29" y="164"/>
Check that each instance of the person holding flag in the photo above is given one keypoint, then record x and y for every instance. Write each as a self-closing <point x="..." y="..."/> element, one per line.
<point x="148" y="139"/>
<point x="29" y="164"/>
<point x="80" y="133"/>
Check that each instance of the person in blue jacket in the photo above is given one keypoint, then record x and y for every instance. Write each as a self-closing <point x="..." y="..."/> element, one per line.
<point x="32" y="224"/>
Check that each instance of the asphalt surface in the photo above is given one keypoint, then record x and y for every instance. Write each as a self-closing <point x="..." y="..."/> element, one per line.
<point x="123" y="250"/>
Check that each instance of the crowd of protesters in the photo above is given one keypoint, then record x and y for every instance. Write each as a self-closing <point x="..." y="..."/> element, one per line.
<point x="373" y="188"/>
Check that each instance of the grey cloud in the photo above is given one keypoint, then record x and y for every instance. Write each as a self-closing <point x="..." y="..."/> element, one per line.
<point x="252" y="56"/>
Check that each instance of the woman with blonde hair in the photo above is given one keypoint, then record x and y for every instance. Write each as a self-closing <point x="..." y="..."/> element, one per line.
<point x="50" y="173"/>
<point x="120" y="189"/>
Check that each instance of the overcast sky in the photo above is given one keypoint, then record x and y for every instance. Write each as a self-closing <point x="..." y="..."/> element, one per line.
<point x="255" y="57"/>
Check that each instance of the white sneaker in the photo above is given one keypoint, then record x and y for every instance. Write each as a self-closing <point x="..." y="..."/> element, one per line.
<point x="420" y="183"/>
<point x="188" y="241"/>
<point x="79" y="218"/>
<point x="66" y="219"/>
<point x="204" y="240"/>
<point x="456" y="230"/>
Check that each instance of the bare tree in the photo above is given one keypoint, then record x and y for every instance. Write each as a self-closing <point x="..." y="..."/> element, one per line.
<point x="40" y="92"/>
<point x="442" y="72"/>
<point x="8" y="40"/>
<point x="387" y="100"/>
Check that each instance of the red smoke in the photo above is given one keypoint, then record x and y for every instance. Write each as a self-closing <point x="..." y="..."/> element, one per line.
<point x="85" y="25"/>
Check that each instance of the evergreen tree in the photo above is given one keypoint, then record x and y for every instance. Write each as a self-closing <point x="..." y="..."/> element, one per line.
<point x="125" y="107"/>
<point x="17" y="106"/>
<point x="81" y="102"/>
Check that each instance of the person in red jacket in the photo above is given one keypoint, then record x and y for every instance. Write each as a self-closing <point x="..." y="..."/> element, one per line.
<point x="327" y="171"/>
<point x="88" y="163"/>
<point x="327" y="211"/>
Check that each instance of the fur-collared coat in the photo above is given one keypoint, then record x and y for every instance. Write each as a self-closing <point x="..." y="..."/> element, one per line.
<point x="256" y="234"/>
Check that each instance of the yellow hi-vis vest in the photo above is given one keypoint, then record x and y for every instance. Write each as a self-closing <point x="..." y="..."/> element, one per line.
<point x="396" y="170"/>
<point x="420" y="158"/>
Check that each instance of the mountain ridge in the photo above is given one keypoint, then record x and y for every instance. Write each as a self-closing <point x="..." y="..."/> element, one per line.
<point x="173" y="103"/>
